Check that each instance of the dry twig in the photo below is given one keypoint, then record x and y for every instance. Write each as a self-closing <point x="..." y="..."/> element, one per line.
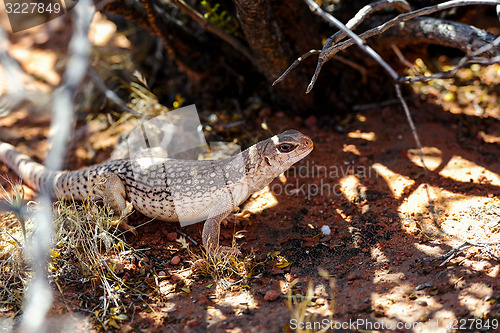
<point x="459" y="249"/>
<point x="331" y="48"/>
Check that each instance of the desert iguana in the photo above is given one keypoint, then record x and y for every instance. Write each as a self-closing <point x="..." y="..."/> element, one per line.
<point x="169" y="189"/>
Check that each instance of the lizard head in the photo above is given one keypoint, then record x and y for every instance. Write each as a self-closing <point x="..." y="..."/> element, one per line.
<point x="283" y="150"/>
<point x="269" y="158"/>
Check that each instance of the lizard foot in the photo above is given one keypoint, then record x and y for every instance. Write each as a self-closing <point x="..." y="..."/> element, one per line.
<point x="237" y="218"/>
<point x="124" y="226"/>
<point x="227" y="251"/>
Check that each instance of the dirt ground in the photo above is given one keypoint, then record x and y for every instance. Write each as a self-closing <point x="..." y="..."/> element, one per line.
<point x="356" y="207"/>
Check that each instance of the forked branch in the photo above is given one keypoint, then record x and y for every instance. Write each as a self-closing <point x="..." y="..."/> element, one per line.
<point x="332" y="47"/>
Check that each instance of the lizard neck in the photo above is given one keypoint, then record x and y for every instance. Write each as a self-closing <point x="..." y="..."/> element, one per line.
<point x="259" y="170"/>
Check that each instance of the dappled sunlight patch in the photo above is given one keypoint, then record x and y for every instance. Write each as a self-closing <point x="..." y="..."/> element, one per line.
<point x="489" y="138"/>
<point x="378" y="255"/>
<point x="443" y="317"/>
<point x="368" y="136"/>
<point x="478" y="221"/>
<point x="418" y="202"/>
<point x="39" y="63"/>
<point x="351" y="149"/>
<point x="463" y="170"/>
<point x="397" y="183"/>
<point x="397" y="306"/>
<point x="350" y="187"/>
<point x="259" y="201"/>
<point x="101" y="30"/>
<point x="472" y="298"/>
<point x="421" y="307"/>
<point x="474" y="294"/>
<point x="392" y="278"/>
<point x="451" y="208"/>
<point x="432" y="157"/>
<point x="430" y="250"/>
<point x="240" y="301"/>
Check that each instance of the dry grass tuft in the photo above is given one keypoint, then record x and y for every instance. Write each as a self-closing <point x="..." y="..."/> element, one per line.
<point x="300" y="306"/>
<point x="85" y="237"/>
<point x="227" y="268"/>
<point x="15" y="228"/>
<point x="86" y="250"/>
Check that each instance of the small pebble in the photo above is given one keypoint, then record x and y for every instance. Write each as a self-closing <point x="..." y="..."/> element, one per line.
<point x="175" y="260"/>
<point x="422" y="303"/>
<point x="265" y="112"/>
<point x="311" y="121"/>
<point x="171" y="236"/>
<point x="271" y="295"/>
<point x="423" y="286"/>
<point x="162" y="273"/>
<point x="326" y="230"/>
<point x="177" y="277"/>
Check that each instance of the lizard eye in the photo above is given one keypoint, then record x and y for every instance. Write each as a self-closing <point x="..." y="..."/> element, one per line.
<point x="286" y="147"/>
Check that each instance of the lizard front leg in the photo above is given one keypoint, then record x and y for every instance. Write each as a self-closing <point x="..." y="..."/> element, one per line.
<point x="113" y="192"/>
<point x="211" y="229"/>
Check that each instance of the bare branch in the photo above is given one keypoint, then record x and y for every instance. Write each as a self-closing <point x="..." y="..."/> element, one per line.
<point x="362" y="14"/>
<point x="39" y="296"/>
<point x="445" y="33"/>
<point x="330" y="49"/>
<point x="111" y="95"/>
<point x="14" y="91"/>
<point x="402" y="58"/>
<point x="419" y="146"/>
<point x="460" y="248"/>
<point x="295" y="64"/>
<point x="328" y="54"/>
<point x="316" y="9"/>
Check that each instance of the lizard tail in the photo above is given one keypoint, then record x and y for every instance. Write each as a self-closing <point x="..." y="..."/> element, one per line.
<point x="34" y="174"/>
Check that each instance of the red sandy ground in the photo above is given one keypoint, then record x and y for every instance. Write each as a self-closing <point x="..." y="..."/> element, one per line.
<point x="372" y="197"/>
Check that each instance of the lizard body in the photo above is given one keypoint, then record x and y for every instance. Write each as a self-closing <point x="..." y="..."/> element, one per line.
<point x="169" y="189"/>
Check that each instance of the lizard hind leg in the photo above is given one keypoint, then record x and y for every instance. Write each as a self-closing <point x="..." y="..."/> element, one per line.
<point x="112" y="191"/>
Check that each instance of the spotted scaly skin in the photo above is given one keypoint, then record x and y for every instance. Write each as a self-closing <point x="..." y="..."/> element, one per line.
<point x="170" y="190"/>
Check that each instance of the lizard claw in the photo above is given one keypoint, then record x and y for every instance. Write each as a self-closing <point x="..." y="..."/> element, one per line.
<point x="124" y="226"/>
<point x="130" y="228"/>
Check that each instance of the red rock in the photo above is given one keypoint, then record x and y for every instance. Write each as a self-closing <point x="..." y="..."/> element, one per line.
<point x="311" y="121"/>
<point x="177" y="277"/>
<point x="175" y="260"/>
<point x="172" y="236"/>
<point x="271" y="295"/>
<point x="265" y="112"/>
